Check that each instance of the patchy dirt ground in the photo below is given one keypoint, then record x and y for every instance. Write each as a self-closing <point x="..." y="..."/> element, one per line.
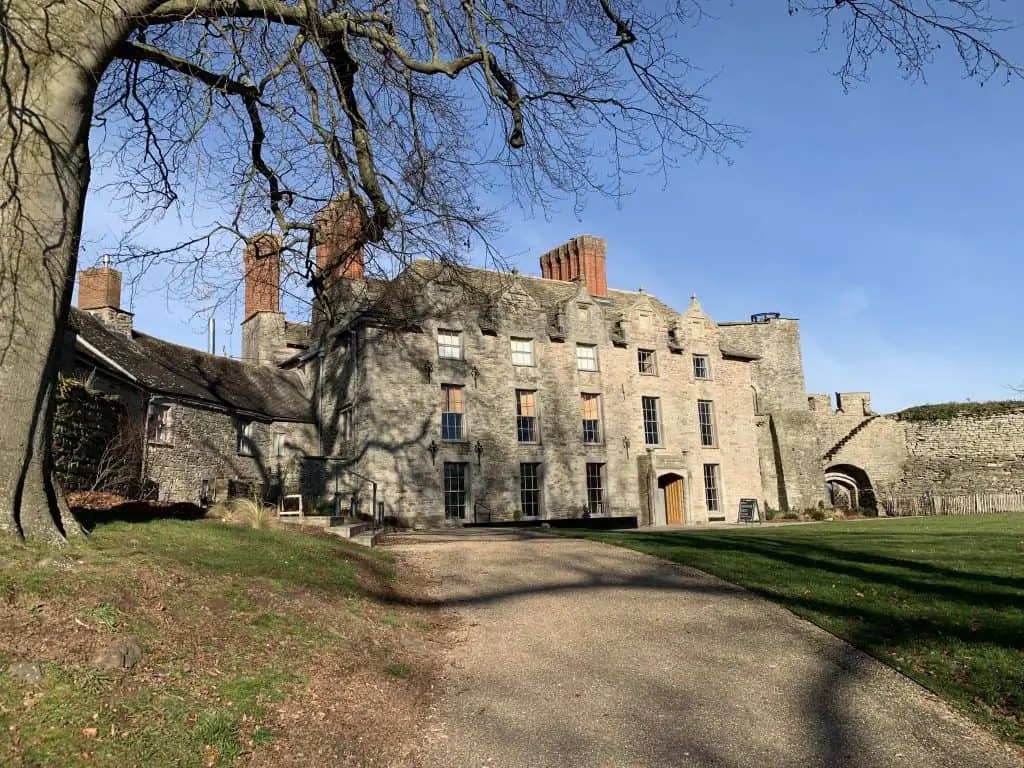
<point x="260" y="648"/>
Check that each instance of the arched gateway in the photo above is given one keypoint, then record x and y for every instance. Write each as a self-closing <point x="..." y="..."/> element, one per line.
<point x="849" y="487"/>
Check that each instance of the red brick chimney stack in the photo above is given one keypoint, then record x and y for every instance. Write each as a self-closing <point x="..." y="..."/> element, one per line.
<point x="584" y="256"/>
<point x="99" y="287"/>
<point x="338" y="226"/>
<point x="262" y="262"/>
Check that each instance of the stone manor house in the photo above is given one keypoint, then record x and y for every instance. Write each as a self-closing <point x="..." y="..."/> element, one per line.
<point x="450" y="395"/>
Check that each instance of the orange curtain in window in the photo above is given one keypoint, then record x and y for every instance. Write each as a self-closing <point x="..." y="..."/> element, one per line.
<point x="588" y="406"/>
<point x="451" y="399"/>
<point x="525" y="403"/>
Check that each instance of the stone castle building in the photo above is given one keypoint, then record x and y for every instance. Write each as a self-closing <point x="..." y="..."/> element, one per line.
<point x="457" y="395"/>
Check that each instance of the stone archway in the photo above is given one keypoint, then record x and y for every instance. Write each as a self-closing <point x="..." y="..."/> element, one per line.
<point x="673" y="498"/>
<point x="849" y="487"/>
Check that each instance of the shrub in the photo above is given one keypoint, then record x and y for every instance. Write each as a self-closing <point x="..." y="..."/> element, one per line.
<point x="244" y="512"/>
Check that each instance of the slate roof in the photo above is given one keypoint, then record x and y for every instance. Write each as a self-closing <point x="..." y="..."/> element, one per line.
<point x="169" y="369"/>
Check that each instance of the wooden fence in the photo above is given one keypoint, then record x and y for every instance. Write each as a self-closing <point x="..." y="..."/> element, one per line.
<point x="965" y="504"/>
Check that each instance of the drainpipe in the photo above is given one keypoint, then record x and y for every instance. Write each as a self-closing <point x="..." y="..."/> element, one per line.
<point x="320" y="405"/>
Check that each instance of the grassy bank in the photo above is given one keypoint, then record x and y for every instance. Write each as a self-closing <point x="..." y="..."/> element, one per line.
<point x="259" y="646"/>
<point x="939" y="599"/>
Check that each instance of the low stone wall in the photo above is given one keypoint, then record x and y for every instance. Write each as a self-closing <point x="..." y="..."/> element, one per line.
<point x="85" y="430"/>
<point x="965" y="454"/>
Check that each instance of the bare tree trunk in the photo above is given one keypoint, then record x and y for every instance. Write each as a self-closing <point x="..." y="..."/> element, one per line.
<point x="52" y="60"/>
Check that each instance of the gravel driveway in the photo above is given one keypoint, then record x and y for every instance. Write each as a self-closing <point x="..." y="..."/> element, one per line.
<point x="572" y="653"/>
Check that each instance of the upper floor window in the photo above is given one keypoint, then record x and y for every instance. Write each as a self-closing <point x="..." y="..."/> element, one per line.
<point x="522" y="351"/>
<point x="652" y="420"/>
<point x="590" y="411"/>
<point x="244" y="434"/>
<point x="706" y="418"/>
<point x="158" y="429"/>
<point x="345" y="424"/>
<point x="701" y="367"/>
<point x="526" y="416"/>
<point x="647" y="362"/>
<point x="452" y="412"/>
<point x="449" y="344"/>
<point x="586" y="357"/>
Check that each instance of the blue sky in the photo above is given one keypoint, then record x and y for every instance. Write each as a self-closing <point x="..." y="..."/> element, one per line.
<point x="889" y="219"/>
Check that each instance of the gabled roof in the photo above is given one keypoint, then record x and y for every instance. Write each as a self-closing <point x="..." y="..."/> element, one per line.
<point x="176" y="371"/>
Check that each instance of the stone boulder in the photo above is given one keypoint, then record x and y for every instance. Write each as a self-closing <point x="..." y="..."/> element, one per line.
<point x="28" y="672"/>
<point x="123" y="653"/>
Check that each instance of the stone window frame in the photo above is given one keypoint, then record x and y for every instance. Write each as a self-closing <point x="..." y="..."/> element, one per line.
<point x="713" y="487"/>
<point x="706" y="424"/>
<point x="449" y="344"/>
<point x="521" y="418"/>
<point x="447" y="402"/>
<point x="531" y="490"/>
<point x="647" y="362"/>
<point x="699" y="361"/>
<point x="596" y="431"/>
<point x="587" y="359"/>
<point x="280" y="439"/>
<point x="650" y="409"/>
<point x="455" y="487"/>
<point x="597" y="488"/>
<point x="163" y="435"/>
<point x="244" y="444"/>
<point x="528" y="353"/>
<point x="346" y="420"/>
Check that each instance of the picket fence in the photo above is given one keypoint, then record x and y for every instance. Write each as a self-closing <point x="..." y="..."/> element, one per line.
<point x="963" y="504"/>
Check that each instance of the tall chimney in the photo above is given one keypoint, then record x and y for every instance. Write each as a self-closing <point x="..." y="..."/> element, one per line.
<point x="99" y="294"/>
<point x="583" y="256"/>
<point x="262" y="262"/>
<point x="338" y="253"/>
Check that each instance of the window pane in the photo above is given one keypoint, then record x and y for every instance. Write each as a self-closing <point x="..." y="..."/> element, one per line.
<point x="451" y="412"/>
<point x="529" y="489"/>
<point x="590" y="410"/>
<point x="647" y="362"/>
<point x="706" y="417"/>
<point x="711" y="488"/>
<point x="522" y="351"/>
<point x="701" y="367"/>
<point x="449" y="344"/>
<point x="454" y="490"/>
<point x="652" y="427"/>
<point x="586" y="357"/>
<point x="595" y="489"/>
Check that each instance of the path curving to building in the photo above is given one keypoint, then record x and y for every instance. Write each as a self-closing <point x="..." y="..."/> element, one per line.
<point x="572" y="653"/>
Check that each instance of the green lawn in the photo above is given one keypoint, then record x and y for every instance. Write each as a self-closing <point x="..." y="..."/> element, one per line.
<point x="236" y="627"/>
<point x="939" y="599"/>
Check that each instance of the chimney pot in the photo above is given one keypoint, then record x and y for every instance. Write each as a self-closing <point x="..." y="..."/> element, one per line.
<point x="262" y="263"/>
<point x="339" y="254"/>
<point x="583" y="257"/>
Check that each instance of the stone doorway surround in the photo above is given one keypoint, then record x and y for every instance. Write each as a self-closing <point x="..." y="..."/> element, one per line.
<point x="655" y="469"/>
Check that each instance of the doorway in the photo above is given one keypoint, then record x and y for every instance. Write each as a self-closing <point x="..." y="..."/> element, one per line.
<point x="674" y="489"/>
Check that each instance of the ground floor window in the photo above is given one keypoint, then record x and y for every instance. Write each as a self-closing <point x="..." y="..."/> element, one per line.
<point x="712" y="488"/>
<point x="455" y="488"/>
<point x="595" y="489"/>
<point x="529" y="489"/>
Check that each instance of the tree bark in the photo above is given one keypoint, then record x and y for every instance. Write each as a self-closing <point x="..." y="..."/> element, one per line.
<point x="52" y="61"/>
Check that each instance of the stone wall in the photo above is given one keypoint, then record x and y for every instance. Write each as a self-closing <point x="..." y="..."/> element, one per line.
<point x="203" y="445"/>
<point x="965" y="454"/>
<point x="85" y="428"/>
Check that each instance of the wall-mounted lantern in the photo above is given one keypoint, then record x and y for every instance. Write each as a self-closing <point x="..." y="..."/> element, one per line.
<point x="428" y="368"/>
<point x="625" y="443"/>
<point x="479" y="448"/>
<point x="433" y="448"/>
<point x="476" y="374"/>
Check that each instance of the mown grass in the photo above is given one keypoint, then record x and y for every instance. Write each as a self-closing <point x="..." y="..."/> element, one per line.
<point x="229" y="620"/>
<point x="939" y="599"/>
